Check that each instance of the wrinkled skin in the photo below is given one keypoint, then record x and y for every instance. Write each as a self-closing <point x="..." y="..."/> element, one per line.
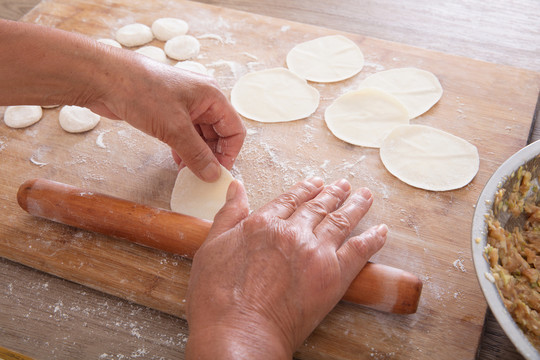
<point x="261" y="283"/>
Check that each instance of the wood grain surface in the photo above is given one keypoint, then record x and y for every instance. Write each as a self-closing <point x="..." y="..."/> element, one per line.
<point x="70" y="342"/>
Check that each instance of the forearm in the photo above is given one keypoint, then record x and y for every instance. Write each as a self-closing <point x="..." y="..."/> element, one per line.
<point x="45" y="66"/>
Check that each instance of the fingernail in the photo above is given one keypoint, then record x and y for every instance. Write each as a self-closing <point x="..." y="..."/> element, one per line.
<point x="231" y="191"/>
<point x="365" y="193"/>
<point x="211" y="172"/>
<point x="317" y="181"/>
<point x="382" y="230"/>
<point x="344" y="185"/>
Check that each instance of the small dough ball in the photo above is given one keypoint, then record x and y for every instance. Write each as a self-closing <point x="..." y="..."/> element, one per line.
<point x="192" y="66"/>
<point x="194" y="197"/>
<point x="134" y="35"/>
<point x="429" y="158"/>
<point x="326" y="59"/>
<point x="153" y="52"/>
<point x="182" y="47"/>
<point x="274" y="95"/>
<point x="110" y="42"/>
<point x="417" y="89"/>
<point x="166" y="28"/>
<point x="22" y="115"/>
<point x="76" y="119"/>
<point x="364" y="117"/>
<point x="49" y="106"/>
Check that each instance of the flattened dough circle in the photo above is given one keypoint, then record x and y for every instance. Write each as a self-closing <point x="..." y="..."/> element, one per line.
<point x="194" y="197"/>
<point x="429" y="158"/>
<point x="153" y="52"/>
<point x="326" y="59"/>
<point x="192" y="66"/>
<point x="274" y="95"/>
<point x="21" y="116"/>
<point x="364" y="117"/>
<point x="76" y="119"/>
<point x="417" y="89"/>
<point x="134" y="35"/>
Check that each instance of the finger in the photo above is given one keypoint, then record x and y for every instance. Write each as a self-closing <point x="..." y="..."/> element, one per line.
<point x="354" y="254"/>
<point x="286" y="204"/>
<point x="196" y="154"/>
<point x="236" y="209"/>
<point x="312" y="212"/>
<point x="176" y="158"/>
<point x="337" y="226"/>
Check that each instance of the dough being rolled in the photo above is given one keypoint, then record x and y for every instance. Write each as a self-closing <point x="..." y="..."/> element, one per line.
<point x="22" y="115"/>
<point x="194" y="197"/>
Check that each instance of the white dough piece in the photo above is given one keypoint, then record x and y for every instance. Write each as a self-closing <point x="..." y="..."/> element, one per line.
<point x="192" y="66"/>
<point x="110" y="42"/>
<point x="134" y="35"/>
<point x="274" y="95"/>
<point x="76" y="119"/>
<point x="364" y="117"/>
<point x="166" y="28"/>
<point x="429" y="158"/>
<point x="182" y="47"/>
<point x="153" y="52"/>
<point x="21" y="116"/>
<point x="417" y="89"/>
<point x="326" y="59"/>
<point x="192" y="196"/>
<point x="49" y="106"/>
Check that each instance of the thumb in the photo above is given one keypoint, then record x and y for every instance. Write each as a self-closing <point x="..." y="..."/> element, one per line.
<point x="236" y="209"/>
<point x="197" y="155"/>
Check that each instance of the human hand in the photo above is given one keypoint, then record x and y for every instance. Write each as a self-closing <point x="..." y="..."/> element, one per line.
<point x="183" y="109"/>
<point x="260" y="284"/>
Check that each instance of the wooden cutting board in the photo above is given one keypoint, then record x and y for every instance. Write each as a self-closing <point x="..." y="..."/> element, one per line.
<point x="489" y="105"/>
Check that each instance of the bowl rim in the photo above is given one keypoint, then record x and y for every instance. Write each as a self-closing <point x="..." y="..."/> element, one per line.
<point x="479" y="230"/>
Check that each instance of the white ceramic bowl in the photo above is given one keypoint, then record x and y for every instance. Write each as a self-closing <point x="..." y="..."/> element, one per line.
<point x="479" y="231"/>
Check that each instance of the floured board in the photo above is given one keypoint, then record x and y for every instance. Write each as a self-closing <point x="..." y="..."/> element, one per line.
<point x="491" y="106"/>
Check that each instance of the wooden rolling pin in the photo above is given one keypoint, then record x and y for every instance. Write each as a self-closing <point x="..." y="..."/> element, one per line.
<point x="377" y="286"/>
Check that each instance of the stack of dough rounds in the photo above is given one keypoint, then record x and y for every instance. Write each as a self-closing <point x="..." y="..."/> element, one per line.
<point x="326" y="59"/>
<point x="134" y="35"/>
<point x="182" y="47"/>
<point x="76" y="119"/>
<point x="110" y="42"/>
<point x="22" y="116"/>
<point x="429" y="158"/>
<point x="166" y="28"/>
<point x="153" y="52"/>
<point x="274" y="95"/>
<point x="365" y="117"/>
<point x="194" y="197"/>
<point x="417" y="89"/>
<point x="192" y="66"/>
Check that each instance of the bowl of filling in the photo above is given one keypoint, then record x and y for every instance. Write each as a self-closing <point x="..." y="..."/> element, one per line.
<point x="506" y="248"/>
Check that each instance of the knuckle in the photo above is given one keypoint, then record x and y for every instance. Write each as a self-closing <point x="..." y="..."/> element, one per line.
<point x="317" y="207"/>
<point x="340" y="221"/>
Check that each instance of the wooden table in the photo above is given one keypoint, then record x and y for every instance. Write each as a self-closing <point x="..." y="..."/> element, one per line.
<point x="89" y="321"/>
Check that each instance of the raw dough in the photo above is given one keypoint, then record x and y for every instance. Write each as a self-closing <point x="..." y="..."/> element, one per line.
<point x="110" y="42"/>
<point x="166" y="28"/>
<point x="326" y="59"/>
<point x="49" y="106"/>
<point x="364" y="117"/>
<point x="22" y="115"/>
<point x="274" y="95"/>
<point x="134" y="35"/>
<point x="76" y="119"/>
<point x="429" y="158"/>
<point x="153" y="52"/>
<point x="192" y="196"/>
<point x="192" y="66"/>
<point x="417" y="89"/>
<point x="182" y="47"/>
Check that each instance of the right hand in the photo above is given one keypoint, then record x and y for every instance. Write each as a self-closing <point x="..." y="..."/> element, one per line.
<point x="260" y="284"/>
